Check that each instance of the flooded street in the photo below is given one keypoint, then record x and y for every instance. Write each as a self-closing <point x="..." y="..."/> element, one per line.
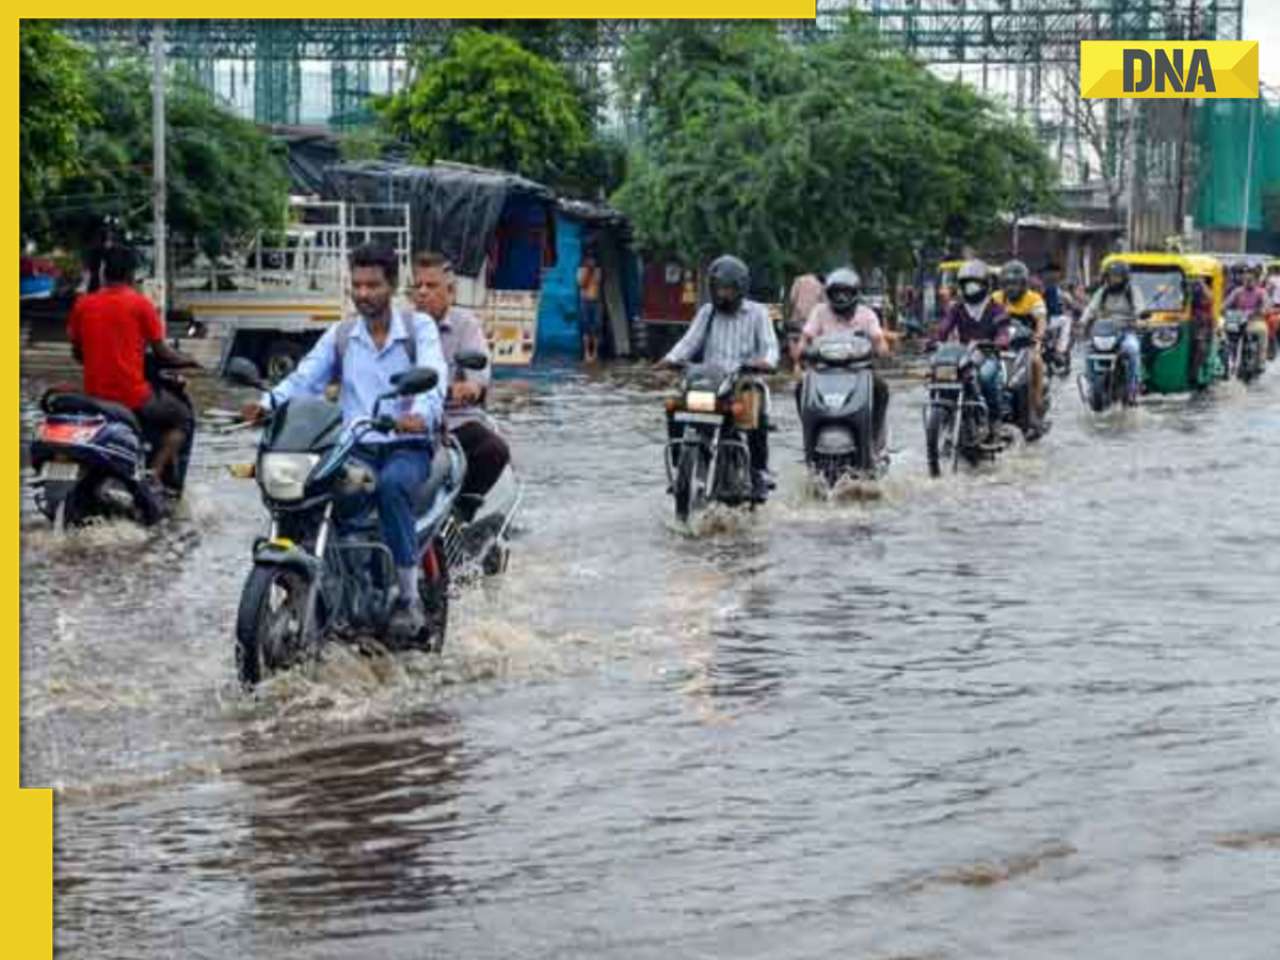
<point x="1032" y="711"/>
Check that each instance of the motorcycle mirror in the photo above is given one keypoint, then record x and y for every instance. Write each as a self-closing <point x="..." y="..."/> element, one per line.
<point x="415" y="381"/>
<point x="471" y="360"/>
<point x="244" y="372"/>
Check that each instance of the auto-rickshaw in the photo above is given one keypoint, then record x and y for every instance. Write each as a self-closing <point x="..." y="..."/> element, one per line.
<point x="1166" y="327"/>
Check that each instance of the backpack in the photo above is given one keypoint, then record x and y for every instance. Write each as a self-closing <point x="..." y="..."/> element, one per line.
<point x="342" y="340"/>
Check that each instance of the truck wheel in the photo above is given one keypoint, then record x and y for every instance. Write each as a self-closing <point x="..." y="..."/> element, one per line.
<point x="282" y="359"/>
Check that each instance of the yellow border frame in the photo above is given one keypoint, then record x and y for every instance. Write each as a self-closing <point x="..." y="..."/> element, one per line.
<point x="28" y="814"/>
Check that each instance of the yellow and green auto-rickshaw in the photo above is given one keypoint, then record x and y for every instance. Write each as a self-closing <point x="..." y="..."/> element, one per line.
<point x="1167" y="327"/>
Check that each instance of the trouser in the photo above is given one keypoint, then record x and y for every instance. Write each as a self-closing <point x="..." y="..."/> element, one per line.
<point x="1037" y="386"/>
<point x="1060" y="332"/>
<point x="1199" y="352"/>
<point x="162" y="413"/>
<point x="991" y="383"/>
<point x="401" y="468"/>
<point x="1131" y="347"/>
<point x="487" y="456"/>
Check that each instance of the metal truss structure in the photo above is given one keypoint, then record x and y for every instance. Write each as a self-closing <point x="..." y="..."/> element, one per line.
<point x="1023" y="50"/>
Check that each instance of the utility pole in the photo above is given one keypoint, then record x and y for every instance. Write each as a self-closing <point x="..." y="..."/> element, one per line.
<point x="158" y="188"/>
<point x="1248" y="174"/>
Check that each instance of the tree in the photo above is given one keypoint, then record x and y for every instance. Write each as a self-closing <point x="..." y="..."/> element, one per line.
<point x="803" y="156"/>
<point x="54" y="106"/>
<point x="488" y="101"/>
<point x="225" y="179"/>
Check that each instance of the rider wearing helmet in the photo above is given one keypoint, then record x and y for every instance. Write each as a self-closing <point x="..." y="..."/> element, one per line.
<point x="973" y="317"/>
<point x="1118" y="299"/>
<point x="1024" y="304"/>
<point x="842" y="310"/>
<point x="733" y="331"/>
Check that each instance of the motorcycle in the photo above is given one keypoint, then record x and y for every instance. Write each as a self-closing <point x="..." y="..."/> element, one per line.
<point x="1105" y="378"/>
<point x="837" y="411"/>
<point x="709" y="460"/>
<point x="477" y="544"/>
<point x="1016" y="358"/>
<point x="1244" y="346"/>
<point x="323" y="570"/>
<point x="91" y="455"/>
<point x="956" y="415"/>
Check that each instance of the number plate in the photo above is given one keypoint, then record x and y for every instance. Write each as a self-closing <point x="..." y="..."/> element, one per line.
<point x="710" y="419"/>
<point x="60" y="471"/>
<point x="944" y="374"/>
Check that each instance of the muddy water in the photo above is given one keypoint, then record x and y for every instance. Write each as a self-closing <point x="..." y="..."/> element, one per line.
<point x="1032" y="711"/>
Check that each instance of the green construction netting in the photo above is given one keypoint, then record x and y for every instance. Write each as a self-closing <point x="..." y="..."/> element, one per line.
<point x="1224" y="155"/>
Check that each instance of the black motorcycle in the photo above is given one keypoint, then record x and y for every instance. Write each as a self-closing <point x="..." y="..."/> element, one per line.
<point x="1244" y="346"/>
<point x="91" y="456"/>
<point x="1016" y="358"/>
<point x="837" y="411"/>
<point x="708" y="460"/>
<point x="957" y="420"/>
<point x="1105" y="379"/>
<point x="322" y="571"/>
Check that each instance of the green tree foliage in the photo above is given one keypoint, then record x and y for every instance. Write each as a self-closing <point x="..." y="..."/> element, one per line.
<point x="225" y="179"/>
<point x="799" y="157"/>
<point x="490" y="102"/>
<point x="54" y="106"/>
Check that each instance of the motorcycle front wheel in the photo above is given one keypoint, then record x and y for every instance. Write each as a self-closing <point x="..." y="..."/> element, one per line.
<point x="937" y="430"/>
<point x="691" y="481"/>
<point x="271" y="622"/>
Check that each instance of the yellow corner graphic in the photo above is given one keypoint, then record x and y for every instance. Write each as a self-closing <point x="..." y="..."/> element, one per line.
<point x="1173" y="70"/>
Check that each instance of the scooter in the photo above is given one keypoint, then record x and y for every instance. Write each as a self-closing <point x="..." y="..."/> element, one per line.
<point x="837" y="413"/>
<point x="91" y="455"/>
<point x="322" y="571"/>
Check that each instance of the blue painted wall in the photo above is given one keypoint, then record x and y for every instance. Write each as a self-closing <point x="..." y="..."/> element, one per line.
<point x="558" y="330"/>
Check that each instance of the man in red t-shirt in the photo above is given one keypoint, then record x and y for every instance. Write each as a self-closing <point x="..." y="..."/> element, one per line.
<point x="110" y="331"/>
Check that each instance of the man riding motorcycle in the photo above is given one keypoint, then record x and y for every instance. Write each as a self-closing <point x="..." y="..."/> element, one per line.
<point x="379" y="344"/>
<point x="1118" y="299"/>
<point x="1022" y="303"/>
<point x="434" y="288"/>
<point x="733" y="331"/>
<point x="110" y="331"/>
<point x="1057" y="303"/>
<point x="976" y="316"/>
<point x="843" y="311"/>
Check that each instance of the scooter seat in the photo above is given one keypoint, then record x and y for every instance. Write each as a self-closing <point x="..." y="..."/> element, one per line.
<point x="78" y="403"/>
<point x="441" y="464"/>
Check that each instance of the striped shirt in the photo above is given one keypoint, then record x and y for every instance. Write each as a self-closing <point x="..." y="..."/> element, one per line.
<point x="728" y="339"/>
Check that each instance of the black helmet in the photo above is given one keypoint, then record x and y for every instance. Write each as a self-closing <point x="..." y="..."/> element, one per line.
<point x="1014" y="277"/>
<point x="1116" y="274"/>
<point x="974" y="281"/>
<point x="728" y="273"/>
<point x="843" y="288"/>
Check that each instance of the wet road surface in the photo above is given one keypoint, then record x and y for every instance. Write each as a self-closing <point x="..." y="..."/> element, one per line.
<point x="1028" y="711"/>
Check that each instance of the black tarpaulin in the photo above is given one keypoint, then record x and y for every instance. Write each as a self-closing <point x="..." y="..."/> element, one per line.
<point x="453" y="208"/>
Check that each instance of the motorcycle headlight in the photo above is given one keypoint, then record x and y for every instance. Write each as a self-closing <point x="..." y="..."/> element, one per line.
<point x="1162" y="338"/>
<point x="284" y="475"/>
<point x="700" y="401"/>
<point x="1104" y="344"/>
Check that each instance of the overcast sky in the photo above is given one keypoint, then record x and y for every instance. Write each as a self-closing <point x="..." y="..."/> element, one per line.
<point x="1262" y="23"/>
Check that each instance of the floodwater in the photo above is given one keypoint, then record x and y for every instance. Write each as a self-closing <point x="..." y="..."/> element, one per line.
<point x="1032" y="711"/>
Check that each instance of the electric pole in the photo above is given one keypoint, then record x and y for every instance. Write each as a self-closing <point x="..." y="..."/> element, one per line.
<point x="158" y="189"/>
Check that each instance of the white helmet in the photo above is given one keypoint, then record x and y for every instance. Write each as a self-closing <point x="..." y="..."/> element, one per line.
<point x="843" y="287"/>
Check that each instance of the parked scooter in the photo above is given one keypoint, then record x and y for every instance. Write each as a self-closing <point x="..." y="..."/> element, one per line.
<point x="837" y="412"/>
<point x="319" y="572"/>
<point x="90" y="457"/>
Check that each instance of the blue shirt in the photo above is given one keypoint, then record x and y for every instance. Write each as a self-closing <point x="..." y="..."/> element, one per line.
<point x="367" y="372"/>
